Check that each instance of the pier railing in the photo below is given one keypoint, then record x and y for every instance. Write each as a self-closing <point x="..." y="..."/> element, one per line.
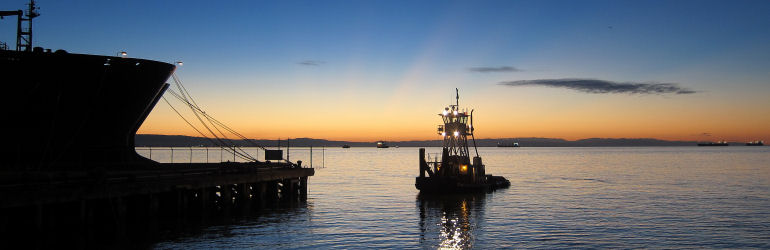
<point x="310" y="157"/>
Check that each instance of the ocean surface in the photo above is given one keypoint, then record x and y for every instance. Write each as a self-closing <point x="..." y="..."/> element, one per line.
<point x="633" y="197"/>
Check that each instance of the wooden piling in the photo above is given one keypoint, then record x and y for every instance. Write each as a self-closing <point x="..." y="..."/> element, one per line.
<point x="123" y="204"/>
<point x="303" y="186"/>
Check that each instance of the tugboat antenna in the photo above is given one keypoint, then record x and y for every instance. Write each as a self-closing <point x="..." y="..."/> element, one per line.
<point x="457" y="98"/>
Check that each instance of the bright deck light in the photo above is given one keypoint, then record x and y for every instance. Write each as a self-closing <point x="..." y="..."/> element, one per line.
<point x="457" y="133"/>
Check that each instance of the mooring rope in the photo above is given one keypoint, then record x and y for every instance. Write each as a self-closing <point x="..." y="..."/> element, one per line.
<point x="201" y="133"/>
<point x="184" y="96"/>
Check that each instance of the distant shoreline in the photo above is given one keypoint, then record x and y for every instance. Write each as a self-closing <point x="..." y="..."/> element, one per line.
<point x="150" y="140"/>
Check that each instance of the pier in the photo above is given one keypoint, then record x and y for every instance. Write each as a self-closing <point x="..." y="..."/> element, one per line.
<point x="82" y="208"/>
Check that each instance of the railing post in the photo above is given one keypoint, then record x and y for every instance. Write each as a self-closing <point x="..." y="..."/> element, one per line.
<point x="311" y="156"/>
<point x="207" y="154"/>
<point x="150" y="153"/>
<point x="288" y="149"/>
<point x="191" y="155"/>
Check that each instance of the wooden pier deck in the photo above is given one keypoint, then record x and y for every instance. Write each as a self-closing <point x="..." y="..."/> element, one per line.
<point x="83" y="208"/>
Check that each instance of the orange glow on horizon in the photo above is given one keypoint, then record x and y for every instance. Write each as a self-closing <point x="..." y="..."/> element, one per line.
<point x="407" y="112"/>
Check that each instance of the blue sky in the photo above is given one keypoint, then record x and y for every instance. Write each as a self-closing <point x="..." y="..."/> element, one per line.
<point x="384" y="49"/>
<point x="650" y="35"/>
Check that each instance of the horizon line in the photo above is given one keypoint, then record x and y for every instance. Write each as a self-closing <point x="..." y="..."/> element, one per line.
<point x="499" y="138"/>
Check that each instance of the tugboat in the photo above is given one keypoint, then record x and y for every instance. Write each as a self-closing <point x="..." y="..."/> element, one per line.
<point x="455" y="173"/>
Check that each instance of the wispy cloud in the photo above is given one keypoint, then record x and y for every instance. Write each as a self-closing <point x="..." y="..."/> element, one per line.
<point x="595" y="86"/>
<point x="311" y="63"/>
<point x="494" y="69"/>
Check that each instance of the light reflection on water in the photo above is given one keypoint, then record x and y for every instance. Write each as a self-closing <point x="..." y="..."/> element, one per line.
<point x="659" y="197"/>
<point x="448" y="221"/>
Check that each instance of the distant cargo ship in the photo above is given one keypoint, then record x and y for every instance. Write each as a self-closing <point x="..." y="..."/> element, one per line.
<point x="719" y="143"/>
<point x="755" y="143"/>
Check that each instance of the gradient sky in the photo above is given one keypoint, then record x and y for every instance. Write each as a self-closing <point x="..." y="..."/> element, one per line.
<point x="382" y="70"/>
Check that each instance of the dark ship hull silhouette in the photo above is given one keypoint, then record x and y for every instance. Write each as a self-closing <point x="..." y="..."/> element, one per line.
<point x="75" y="111"/>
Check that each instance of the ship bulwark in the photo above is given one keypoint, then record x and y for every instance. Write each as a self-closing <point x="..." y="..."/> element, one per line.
<point x="75" y="111"/>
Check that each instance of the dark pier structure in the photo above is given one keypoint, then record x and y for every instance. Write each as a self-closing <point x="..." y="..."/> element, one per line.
<point x="117" y="208"/>
<point x="70" y="175"/>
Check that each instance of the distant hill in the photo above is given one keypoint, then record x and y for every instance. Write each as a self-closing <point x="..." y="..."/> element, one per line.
<point x="146" y="140"/>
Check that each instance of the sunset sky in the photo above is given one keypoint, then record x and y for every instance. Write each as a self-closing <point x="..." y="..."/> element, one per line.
<point x="382" y="70"/>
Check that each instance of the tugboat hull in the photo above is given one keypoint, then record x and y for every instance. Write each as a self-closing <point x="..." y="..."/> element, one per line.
<point x="453" y="185"/>
<point x="447" y="185"/>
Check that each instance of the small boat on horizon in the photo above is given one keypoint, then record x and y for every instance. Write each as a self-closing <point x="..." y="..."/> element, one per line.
<point x="755" y="143"/>
<point x="507" y="145"/>
<point x="346" y="146"/>
<point x="382" y="144"/>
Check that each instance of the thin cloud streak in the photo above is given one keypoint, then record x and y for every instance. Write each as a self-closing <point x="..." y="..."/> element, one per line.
<point x="311" y="63"/>
<point x="494" y="69"/>
<point x="595" y="86"/>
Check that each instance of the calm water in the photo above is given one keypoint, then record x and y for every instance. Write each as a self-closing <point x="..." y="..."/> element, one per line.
<point x="661" y="197"/>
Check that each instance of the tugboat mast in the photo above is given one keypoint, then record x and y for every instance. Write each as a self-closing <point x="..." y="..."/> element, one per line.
<point x="458" y="125"/>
